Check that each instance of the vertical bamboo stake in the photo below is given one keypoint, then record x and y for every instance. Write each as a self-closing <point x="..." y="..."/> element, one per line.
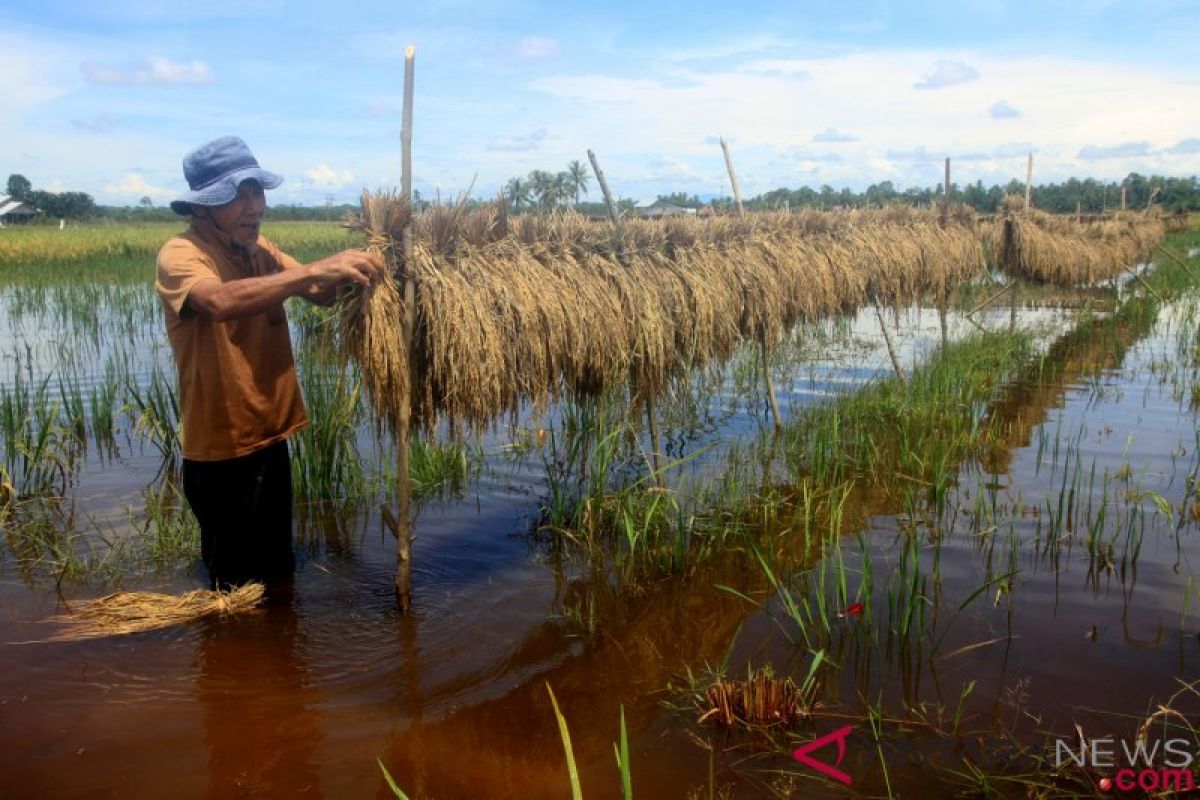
<point x="404" y="528"/>
<point x="943" y="293"/>
<point x="737" y="193"/>
<point x="1029" y="182"/>
<point x="1123" y="187"/>
<point x="762" y="339"/>
<point x="648" y="400"/>
<point x="891" y="350"/>
<point x="612" y="209"/>
<point x="1016" y="294"/>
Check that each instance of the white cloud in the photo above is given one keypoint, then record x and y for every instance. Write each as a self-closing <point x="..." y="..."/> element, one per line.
<point x="519" y="144"/>
<point x="1187" y="146"/>
<point x="537" y="47"/>
<point x="1123" y="150"/>
<point x="765" y="113"/>
<point x="153" y="71"/>
<point x="327" y="177"/>
<point x="833" y="135"/>
<point x="134" y="184"/>
<point x="946" y="73"/>
<point x="1002" y="110"/>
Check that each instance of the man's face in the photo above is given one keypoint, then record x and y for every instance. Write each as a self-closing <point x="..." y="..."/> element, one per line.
<point x="241" y="216"/>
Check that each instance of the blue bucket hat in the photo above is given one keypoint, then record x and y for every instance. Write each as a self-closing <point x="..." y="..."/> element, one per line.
<point x="215" y="170"/>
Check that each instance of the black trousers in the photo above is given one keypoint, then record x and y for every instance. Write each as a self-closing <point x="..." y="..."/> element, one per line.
<point x="244" y="506"/>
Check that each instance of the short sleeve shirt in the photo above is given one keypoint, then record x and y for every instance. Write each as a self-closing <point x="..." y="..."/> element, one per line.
<point x="238" y="390"/>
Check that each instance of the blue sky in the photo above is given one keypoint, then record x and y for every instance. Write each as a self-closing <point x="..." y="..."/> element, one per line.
<point x="106" y="97"/>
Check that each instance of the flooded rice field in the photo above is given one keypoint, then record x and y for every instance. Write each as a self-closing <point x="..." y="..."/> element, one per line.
<point x="950" y="600"/>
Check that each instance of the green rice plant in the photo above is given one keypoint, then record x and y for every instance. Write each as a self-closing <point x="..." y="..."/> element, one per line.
<point x="326" y="464"/>
<point x="440" y="468"/>
<point x="154" y="410"/>
<point x="621" y="751"/>
<point x="572" y="770"/>
<point x="39" y="454"/>
<point x="169" y="530"/>
<point x="391" y="783"/>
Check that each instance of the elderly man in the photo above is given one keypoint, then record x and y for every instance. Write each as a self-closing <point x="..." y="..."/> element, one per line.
<point x="222" y="286"/>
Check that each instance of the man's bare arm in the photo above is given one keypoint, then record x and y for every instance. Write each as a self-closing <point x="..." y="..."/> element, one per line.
<point x="316" y="282"/>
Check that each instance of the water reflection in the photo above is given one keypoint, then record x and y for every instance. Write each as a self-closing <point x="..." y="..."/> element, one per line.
<point x="259" y="701"/>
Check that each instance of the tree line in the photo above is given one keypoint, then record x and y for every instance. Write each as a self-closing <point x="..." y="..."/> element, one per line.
<point x="541" y="190"/>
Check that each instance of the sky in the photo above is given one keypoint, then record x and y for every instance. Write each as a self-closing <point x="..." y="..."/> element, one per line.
<point x="108" y="96"/>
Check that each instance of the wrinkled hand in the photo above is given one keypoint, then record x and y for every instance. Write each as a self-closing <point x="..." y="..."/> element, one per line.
<point x="348" y="266"/>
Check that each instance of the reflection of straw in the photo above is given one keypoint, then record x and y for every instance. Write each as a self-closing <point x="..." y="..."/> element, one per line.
<point x="134" y="612"/>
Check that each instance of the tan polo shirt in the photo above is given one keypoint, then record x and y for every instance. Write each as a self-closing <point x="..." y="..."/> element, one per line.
<point x="237" y="380"/>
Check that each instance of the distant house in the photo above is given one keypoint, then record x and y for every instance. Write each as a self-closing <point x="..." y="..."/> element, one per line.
<point x="14" y="211"/>
<point x="660" y="209"/>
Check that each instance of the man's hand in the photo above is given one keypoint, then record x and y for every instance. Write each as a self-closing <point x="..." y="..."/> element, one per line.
<point x="341" y="269"/>
<point x="348" y="266"/>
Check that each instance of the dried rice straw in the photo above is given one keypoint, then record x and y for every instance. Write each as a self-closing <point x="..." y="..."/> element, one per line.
<point x="134" y="612"/>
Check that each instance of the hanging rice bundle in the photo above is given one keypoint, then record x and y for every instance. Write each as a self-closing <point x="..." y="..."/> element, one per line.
<point x="525" y="310"/>
<point x="1061" y="251"/>
<point x="134" y="612"/>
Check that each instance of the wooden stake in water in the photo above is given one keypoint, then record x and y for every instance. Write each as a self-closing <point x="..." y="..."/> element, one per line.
<point x="762" y="340"/>
<point x="943" y="293"/>
<point x="404" y="489"/>
<point x="891" y="350"/>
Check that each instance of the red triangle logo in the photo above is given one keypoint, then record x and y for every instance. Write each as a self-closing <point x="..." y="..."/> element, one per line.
<point x="838" y="737"/>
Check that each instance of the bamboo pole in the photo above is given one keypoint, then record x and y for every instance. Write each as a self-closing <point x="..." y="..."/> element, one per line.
<point x="404" y="536"/>
<point x="647" y="399"/>
<point x="1016" y="294"/>
<point x="891" y="350"/>
<point x="612" y="208"/>
<point x="764" y="351"/>
<point x="989" y="300"/>
<point x="737" y="193"/>
<point x="943" y="294"/>
<point x="1029" y="182"/>
<point x="1123" y="187"/>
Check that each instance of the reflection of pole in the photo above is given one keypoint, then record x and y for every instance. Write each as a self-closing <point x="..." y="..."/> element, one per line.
<point x="404" y="526"/>
<point x="762" y="335"/>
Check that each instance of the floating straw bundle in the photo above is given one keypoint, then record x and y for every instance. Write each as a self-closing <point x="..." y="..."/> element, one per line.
<point x="530" y="308"/>
<point x="134" y="612"/>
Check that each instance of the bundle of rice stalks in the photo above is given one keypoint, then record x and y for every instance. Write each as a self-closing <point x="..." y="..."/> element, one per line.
<point x="1058" y="250"/>
<point x="527" y="309"/>
<point x="134" y="612"/>
<point x="760" y="700"/>
<point x="1176" y="221"/>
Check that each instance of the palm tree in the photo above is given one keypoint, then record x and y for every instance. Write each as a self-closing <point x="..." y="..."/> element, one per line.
<point x="542" y="187"/>
<point x="579" y="178"/>
<point x="517" y="192"/>
<point x="562" y="187"/>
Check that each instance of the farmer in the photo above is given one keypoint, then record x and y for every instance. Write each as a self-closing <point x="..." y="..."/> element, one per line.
<point x="222" y="287"/>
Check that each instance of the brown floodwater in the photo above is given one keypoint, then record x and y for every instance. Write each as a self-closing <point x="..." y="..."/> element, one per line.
<point x="302" y="698"/>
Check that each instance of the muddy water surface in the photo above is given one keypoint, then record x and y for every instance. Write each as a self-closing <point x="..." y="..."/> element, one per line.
<point x="301" y="699"/>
